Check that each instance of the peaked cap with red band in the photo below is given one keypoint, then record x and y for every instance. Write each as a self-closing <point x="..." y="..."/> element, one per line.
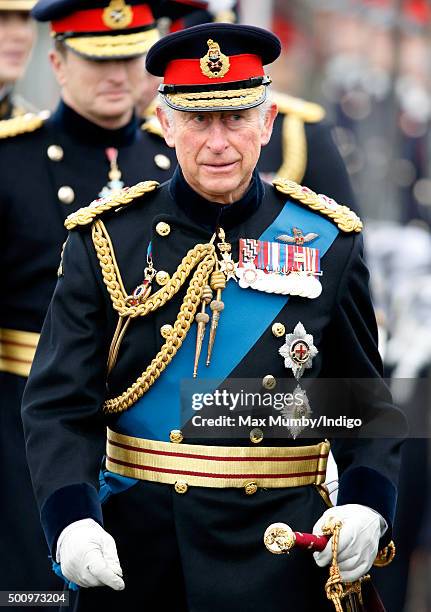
<point x="109" y="29"/>
<point x="216" y="66"/>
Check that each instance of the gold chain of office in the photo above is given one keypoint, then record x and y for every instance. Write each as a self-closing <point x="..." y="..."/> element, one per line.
<point x="203" y="258"/>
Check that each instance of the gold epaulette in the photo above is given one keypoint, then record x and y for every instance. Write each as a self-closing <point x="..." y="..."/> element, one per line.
<point x="150" y="123"/>
<point x="310" y="112"/>
<point x="342" y="216"/>
<point x="23" y="124"/>
<point x="152" y="126"/>
<point x="87" y="214"/>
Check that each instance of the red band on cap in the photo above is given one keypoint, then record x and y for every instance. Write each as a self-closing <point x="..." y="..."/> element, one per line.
<point x="92" y="21"/>
<point x="188" y="71"/>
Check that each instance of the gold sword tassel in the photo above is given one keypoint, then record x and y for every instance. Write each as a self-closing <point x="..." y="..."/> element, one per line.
<point x="218" y="283"/>
<point x="225" y="270"/>
<point x="201" y="319"/>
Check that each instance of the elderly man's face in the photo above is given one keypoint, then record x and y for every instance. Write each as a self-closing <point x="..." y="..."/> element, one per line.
<point x="218" y="151"/>
<point x="17" y="34"/>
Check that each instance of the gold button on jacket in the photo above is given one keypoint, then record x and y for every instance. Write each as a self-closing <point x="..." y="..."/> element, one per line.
<point x="256" y="435"/>
<point x="55" y="153"/>
<point x="278" y="329"/>
<point x="163" y="229"/>
<point x="181" y="487"/>
<point x="66" y="195"/>
<point x="176" y="436"/>
<point x="250" y="488"/>
<point x="269" y="381"/>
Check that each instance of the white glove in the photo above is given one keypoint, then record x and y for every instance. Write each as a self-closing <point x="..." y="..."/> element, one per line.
<point x="358" y="544"/>
<point x="88" y="555"/>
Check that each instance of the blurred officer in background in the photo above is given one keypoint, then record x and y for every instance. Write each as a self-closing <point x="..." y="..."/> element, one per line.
<point x="17" y="34"/>
<point x="91" y="146"/>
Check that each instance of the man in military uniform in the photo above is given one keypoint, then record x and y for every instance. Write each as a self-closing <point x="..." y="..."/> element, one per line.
<point x="91" y="146"/>
<point x="17" y="35"/>
<point x="186" y="516"/>
<point x="301" y="148"/>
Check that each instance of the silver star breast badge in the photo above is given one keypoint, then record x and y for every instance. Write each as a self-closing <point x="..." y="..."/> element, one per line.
<point x="298" y="351"/>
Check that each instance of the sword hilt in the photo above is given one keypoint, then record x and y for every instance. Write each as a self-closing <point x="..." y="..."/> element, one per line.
<point x="279" y="538"/>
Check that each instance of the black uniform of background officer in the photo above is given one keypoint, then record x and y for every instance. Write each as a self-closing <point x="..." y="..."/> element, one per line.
<point x="49" y="168"/>
<point x="198" y="547"/>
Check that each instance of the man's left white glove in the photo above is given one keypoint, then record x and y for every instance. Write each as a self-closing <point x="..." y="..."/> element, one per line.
<point x="88" y="555"/>
<point x="358" y="544"/>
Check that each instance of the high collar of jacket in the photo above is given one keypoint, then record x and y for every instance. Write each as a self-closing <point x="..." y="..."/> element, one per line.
<point x="87" y="132"/>
<point x="211" y="214"/>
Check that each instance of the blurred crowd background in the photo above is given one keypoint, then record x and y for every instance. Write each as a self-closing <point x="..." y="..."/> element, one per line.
<point x="368" y="63"/>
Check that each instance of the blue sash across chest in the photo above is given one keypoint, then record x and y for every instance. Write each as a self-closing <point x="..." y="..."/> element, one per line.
<point x="246" y="316"/>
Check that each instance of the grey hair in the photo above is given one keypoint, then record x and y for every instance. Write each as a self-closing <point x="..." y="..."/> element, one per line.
<point x="169" y="111"/>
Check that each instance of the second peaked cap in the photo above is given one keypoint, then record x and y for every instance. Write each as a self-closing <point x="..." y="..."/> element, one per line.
<point x="109" y="29"/>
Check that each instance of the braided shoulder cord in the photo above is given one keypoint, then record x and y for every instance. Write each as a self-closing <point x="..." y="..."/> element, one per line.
<point x="181" y="327"/>
<point x="345" y="219"/>
<point x="87" y="214"/>
<point x="202" y="257"/>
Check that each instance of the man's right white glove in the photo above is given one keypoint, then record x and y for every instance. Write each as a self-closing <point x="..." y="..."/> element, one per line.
<point x="88" y="555"/>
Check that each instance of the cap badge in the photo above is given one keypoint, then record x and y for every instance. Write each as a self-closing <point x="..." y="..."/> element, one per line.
<point x="117" y="15"/>
<point x="214" y="64"/>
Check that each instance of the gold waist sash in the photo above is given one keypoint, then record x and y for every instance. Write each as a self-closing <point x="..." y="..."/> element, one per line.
<point x="17" y="349"/>
<point x="216" y="466"/>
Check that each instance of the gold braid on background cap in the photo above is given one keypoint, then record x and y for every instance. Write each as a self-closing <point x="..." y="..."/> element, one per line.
<point x="202" y="257"/>
<point x="342" y="216"/>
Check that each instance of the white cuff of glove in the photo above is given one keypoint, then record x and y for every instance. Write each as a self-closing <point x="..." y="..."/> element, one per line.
<point x="358" y="544"/>
<point x="88" y="555"/>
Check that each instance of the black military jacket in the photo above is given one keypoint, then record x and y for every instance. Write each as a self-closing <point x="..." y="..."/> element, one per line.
<point x="47" y="171"/>
<point x="62" y="407"/>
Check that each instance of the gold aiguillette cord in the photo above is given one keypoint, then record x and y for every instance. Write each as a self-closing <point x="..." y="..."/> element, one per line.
<point x="139" y="295"/>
